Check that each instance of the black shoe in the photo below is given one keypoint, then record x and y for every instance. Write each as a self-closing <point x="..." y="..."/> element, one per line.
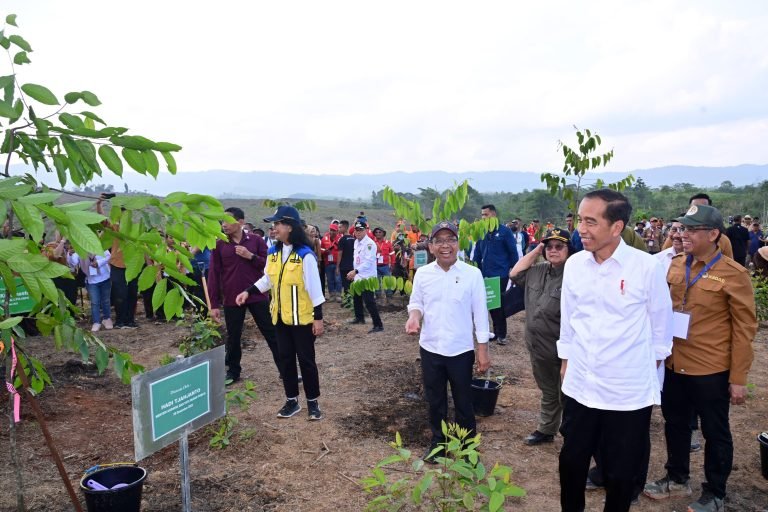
<point x="290" y="408"/>
<point x="231" y="378"/>
<point x="538" y="438"/>
<point x="131" y="325"/>
<point x="429" y="458"/>
<point x="378" y="328"/>
<point x="314" y="410"/>
<point x="119" y="326"/>
<point x="356" y="321"/>
<point x="501" y="341"/>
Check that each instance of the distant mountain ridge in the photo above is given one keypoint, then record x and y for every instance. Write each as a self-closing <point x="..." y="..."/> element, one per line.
<point x="270" y="184"/>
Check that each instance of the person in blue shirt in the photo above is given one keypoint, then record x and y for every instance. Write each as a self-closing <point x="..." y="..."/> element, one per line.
<point x="495" y="255"/>
<point x="200" y="261"/>
<point x="575" y="236"/>
<point x="756" y="240"/>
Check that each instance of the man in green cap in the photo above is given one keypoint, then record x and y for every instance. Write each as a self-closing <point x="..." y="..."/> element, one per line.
<point x="714" y="325"/>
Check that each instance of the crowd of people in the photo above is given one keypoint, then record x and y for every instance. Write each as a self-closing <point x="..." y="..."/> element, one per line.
<point x="618" y="319"/>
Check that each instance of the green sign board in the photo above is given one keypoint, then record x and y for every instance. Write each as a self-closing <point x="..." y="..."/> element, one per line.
<point x="21" y="302"/>
<point x="492" y="292"/>
<point x="179" y="399"/>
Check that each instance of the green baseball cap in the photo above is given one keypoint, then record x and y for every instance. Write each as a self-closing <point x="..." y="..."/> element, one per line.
<point x="703" y="215"/>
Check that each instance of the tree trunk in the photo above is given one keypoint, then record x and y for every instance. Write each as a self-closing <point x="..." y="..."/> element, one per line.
<point x="15" y="456"/>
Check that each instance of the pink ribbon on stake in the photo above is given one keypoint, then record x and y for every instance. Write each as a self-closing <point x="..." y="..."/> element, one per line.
<point x="11" y="389"/>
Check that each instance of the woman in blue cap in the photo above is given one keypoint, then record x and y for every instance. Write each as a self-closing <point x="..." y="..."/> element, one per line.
<point x="292" y="275"/>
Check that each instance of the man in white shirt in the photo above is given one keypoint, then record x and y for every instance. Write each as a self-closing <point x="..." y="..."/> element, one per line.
<point x="616" y="329"/>
<point x="449" y="296"/>
<point x="364" y="267"/>
<point x="676" y="235"/>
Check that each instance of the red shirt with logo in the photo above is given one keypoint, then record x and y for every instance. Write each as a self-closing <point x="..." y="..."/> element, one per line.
<point x="329" y="248"/>
<point x="384" y="252"/>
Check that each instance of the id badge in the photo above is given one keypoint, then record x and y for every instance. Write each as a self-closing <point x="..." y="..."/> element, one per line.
<point x="380" y="259"/>
<point x="680" y="322"/>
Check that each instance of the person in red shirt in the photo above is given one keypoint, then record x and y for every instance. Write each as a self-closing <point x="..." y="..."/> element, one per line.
<point x="384" y="256"/>
<point x="329" y="252"/>
<point x="533" y="230"/>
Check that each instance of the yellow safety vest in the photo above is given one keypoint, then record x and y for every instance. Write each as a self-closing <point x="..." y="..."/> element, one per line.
<point x="290" y="301"/>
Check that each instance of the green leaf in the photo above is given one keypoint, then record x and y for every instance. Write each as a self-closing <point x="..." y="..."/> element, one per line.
<point x="20" y="42"/>
<point x="170" y="162"/>
<point x="111" y="160"/>
<point x="91" y="99"/>
<point x="147" y="277"/>
<point x="7" y="110"/>
<point x="43" y="197"/>
<point x="496" y="501"/>
<point x="150" y="160"/>
<point x="83" y="237"/>
<point x="72" y="97"/>
<point x="10" y="322"/>
<point x="21" y="58"/>
<point x="166" y="147"/>
<point x="40" y="93"/>
<point x="11" y="20"/>
<point x="91" y="115"/>
<point x="48" y="288"/>
<point x="4" y="42"/>
<point x="135" y="159"/>
<point x="102" y="359"/>
<point x="6" y="81"/>
<point x="158" y="296"/>
<point x="30" y="219"/>
<point x="172" y="304"/>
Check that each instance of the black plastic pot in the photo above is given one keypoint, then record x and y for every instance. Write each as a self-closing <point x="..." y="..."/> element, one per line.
<point x="126" y="498"/>
<point x="485" y="393"/>
<point x="763" y="439"/>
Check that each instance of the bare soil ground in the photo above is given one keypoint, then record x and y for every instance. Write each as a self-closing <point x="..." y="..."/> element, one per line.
<point x="371" y="388"/>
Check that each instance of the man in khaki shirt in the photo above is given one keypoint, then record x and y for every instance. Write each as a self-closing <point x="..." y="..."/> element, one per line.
<point x="715" y="324"/>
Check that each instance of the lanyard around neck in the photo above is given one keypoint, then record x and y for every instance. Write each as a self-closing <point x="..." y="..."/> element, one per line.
<point x="688" y="282"/>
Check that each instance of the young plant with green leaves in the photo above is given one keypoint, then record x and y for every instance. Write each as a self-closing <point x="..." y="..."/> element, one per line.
<point x="67" y="139"/>
<point x="459" y="480"/>
<point x="577" y="162"/>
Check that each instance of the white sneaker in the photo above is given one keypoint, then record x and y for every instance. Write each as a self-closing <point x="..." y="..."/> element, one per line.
<point x="107" y="324"/>
<point x="95" y="327"/>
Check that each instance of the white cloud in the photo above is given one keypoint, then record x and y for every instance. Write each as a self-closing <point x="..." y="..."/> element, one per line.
<point x="362" y="87"/>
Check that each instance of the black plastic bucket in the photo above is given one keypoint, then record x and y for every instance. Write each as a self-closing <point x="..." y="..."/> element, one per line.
<point x="122" y="499"/>
<point x="484" y="396"/>
<point x="763" y="439"/>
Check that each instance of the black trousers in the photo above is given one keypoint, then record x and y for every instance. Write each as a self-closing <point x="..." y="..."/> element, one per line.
<point x="498" y="316"/>
<point x="344" y="281"/>
<point x="124" y="296"/>
<point x="370" y="305"/>
<point x="234" y="317"/>
<point x="709" y="396"/>
<point x="297" y="341"/>
<point x="437" y="372"/>
<point x="68" y="286"/>
<point x="623" y="434"/>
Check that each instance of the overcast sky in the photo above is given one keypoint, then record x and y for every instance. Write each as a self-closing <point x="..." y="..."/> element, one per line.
<point x="367" y="87"/>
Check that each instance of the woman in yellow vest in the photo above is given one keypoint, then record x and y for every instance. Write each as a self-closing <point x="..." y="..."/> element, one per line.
<point x="296" y="307"/>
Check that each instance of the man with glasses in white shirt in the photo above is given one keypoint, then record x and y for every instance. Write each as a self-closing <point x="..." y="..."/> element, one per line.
<point x="676" y="236"/>
<point x="616" y="329"/>
<point x="449" y="297"/>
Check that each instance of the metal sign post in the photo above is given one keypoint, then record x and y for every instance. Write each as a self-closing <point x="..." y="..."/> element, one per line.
<point x="174" y="400"/>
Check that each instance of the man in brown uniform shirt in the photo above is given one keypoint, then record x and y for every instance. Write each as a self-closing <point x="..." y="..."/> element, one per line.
<point x="715" y="324"/>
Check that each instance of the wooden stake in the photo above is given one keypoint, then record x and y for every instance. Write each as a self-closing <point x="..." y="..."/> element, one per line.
<point x="48" y="438"/>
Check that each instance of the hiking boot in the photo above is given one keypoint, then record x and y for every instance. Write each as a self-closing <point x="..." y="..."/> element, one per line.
<point x="666" y="488"/>
<point x="314" y="410"/>
<point x="708" y="502"/>
<point x="95" y="327"/>
<point x="290" y="408"/>
<point x="107" y="323"/>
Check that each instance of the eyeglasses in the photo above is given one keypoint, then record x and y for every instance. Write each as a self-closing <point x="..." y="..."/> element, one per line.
<point x="686" y="229"/>
<point x="554" y="247"/>
<point x="676" y="230"/>
<point x="444" y="241"/>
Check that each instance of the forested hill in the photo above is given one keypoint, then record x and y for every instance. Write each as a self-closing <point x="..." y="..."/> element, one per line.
<point x="222" y="183"/>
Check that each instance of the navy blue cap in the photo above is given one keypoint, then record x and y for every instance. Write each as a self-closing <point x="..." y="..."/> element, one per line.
<point x="283" y="213"/>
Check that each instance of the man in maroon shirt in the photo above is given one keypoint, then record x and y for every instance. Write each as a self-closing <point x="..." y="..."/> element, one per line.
<point x="235" y="265"/>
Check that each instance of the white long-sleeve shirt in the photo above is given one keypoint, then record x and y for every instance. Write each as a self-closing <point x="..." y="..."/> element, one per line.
<point x="309" y="271"/>
<point x="616" y="322"/>
<point x="365" y="258"/>
<point x="665" y="257"/>
<point x="450" y="302"/>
